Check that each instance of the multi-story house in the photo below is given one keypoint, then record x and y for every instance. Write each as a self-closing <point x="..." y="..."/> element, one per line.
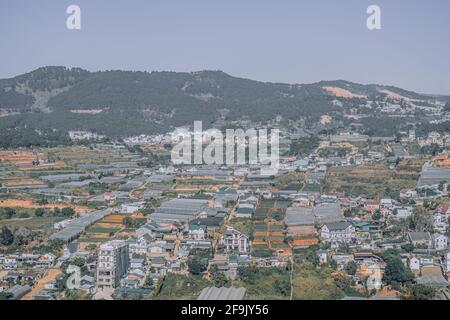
<point x="447" y="262"/>
<point x="113" y="261"/>
<point x="440" y="241"/>
<point x="342" y="231"/>
<point x="140" y="246"/>
<point x="234" y="240"/>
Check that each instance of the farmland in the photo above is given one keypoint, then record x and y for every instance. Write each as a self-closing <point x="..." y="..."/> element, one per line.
<point x="375" y="180"/>
<point x="268" y="228"/>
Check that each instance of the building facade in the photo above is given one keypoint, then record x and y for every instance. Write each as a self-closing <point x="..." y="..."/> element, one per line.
<point x="113" y="262"/>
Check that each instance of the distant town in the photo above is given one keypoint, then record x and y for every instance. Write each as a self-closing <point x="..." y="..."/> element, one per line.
<point x="347" y="216"/>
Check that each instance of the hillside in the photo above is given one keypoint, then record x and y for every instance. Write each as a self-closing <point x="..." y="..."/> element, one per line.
<point x="124" y="103"/>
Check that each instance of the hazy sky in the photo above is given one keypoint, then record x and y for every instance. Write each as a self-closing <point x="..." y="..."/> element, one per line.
<point x="281" y="41"/>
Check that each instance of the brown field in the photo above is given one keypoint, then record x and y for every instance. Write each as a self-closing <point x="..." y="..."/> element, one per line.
<point x="15" y="156"/>
<point x="339" y="92"/>
<point x="113" y="218"/>
<point x="56" y="165"/>
<point x="15" y="182"/>
<point x="100" y="235"/>
<point x="442" y="161"/>
<point x="21" y="158"/>
<point x="106" y="225"/>
<point x="28" y="204"/>
<point x="267" y="234"/>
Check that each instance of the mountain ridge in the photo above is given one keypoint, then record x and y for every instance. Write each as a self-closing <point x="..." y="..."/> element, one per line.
<point x="122" y="103"/>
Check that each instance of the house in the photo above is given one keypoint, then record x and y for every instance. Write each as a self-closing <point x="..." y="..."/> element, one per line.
<point x="158" y="262"/>
<point x="46" y="260"/>
<point x="426" y="260"/>
<point x="408" y="193"/>
<point x="87" y="283"/>
<point x="244" y="212"/>
<point x="386" y="203"/>
<point x="139" y="247"/>
<point x="212" y="224"/>
<point x="323" y="256"/>
<point x="197" y="231"/>
<point x="70" y="249"/>
<point x="342" y="260"/>
<point x="233" y="240"/>
<point x="44" y="295"/>
<point x="440" y="223"/>
<point x="440" y="241"/>
<point x="373" y="205"/>
<point x="446" y="262"/>
<point x="130" y="283"/>
<point x="338" y="232"/>
<point x="402" y="212"/>
<point x="375" y="279"/>
<point x="443" y="209"/>
<point x="159" y="246"/>
<point x="10" y="262"/>
<point x="51" y="285"/>
<point x="137" y="263"/>
<point x="249" y="199"/>
<point x="301" y="201"/>
<point x="414" y="264"/>
<point x="420" y="239"/>
<point x="131" y="207"/>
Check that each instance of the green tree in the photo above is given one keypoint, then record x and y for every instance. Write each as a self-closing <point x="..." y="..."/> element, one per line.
<point x="421" y="220"/>
<point x="8" y="213"/>
<point x="195" y="266"/>
<point x="219" y="278"/>
<point x="148" y="281"/>
<point x="418" y="292"/>
<point x="6" y="295"/>
<point x="39" y="212"/>
<point x="311" y="255"/>
<point x="6" y="236"/>
<point x="67" y="212"/>
<point x="396" y="272"/>
<point x="351" y="268"/>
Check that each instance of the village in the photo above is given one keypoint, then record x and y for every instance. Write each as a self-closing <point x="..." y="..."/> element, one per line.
<point x="352" y="217"/>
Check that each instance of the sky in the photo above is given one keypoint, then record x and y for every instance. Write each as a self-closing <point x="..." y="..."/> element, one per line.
<point x="278" y="40"/>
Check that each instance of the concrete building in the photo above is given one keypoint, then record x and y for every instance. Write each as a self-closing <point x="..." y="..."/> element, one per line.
<point x="113" y="262"/>
<point x="338" y="232"/>
<point x="233" y="239"/>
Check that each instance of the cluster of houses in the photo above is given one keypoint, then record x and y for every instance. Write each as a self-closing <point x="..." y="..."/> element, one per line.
<point x="197" y="208"/>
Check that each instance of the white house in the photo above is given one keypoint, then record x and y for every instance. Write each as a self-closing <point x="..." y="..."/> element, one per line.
<point x="342" y="231"/>
<point x="447" y="262"/>
<point x="140" y="247"/>
<point x="414" y="264"/>
<point x="197" y="231"/>
<point x="403" y="212"/>
<point x="9" y="262"/>
<point x="131" y="207"/>
<point x="374" y="281"/>
<point x="233" y="239"/>
<point x="440" y="222"/>
<point x="408" y="193"/>
<point x="440" y="241"/>
<point x="323" y="256"/>
<point x="46" y="260"/>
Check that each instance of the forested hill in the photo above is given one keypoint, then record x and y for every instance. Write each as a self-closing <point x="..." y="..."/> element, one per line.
<point x="124" y="103"/>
